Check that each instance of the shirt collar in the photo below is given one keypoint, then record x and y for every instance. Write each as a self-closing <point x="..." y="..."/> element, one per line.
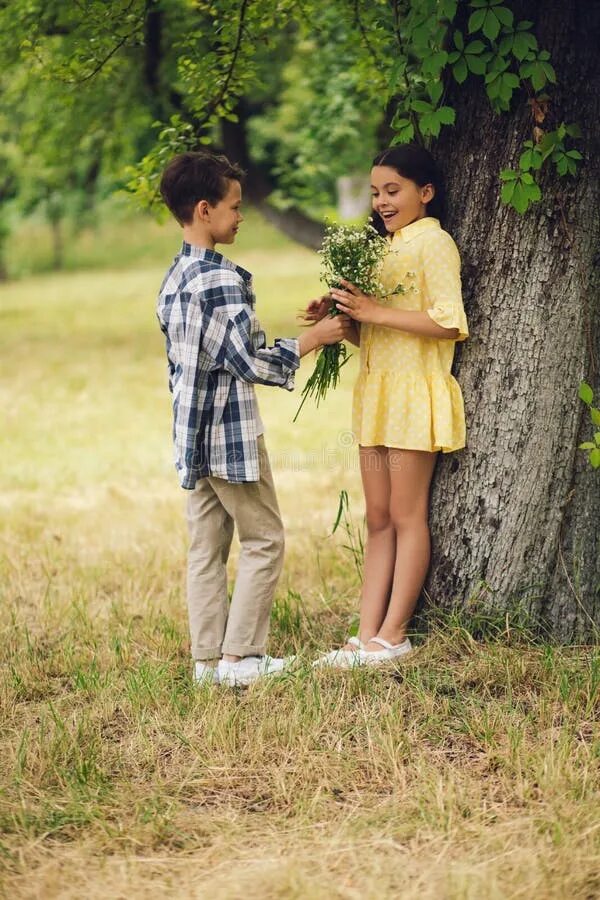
<point x="415" y="228"/>
<point x="214" y="256"/>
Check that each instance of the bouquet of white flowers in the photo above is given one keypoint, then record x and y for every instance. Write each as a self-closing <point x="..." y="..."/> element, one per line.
<point x="355" y="254"/>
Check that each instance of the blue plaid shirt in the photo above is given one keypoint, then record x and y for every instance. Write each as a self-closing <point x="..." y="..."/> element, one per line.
<point x="216" y="352"/>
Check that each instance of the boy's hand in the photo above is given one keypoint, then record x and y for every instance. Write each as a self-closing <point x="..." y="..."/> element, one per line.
<point x="332" y="329"/>
<point x="328" y="330"/>
<point x="317" y="309"/>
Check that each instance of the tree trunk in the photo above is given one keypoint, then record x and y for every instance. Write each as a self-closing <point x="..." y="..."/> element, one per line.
<point x="259" y="185"/>
<point x="516" y="515"/>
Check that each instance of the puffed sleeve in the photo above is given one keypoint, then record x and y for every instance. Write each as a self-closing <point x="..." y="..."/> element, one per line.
<point x="441" y="267"/>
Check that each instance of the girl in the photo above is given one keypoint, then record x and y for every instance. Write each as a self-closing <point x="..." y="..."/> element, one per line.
<point x="407" y="406"/>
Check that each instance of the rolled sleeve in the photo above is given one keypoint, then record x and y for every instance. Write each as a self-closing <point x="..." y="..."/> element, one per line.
<point x="238" y="344"/>
<point x="260" y="364"/>
<point x="441" y="266"/>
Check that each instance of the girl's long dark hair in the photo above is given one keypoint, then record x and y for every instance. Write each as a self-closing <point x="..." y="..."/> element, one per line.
<point x="418" y="165"/>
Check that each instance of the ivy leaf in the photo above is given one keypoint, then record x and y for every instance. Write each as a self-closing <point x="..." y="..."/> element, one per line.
<point x="421" y="106"/>
<point x="435" y="90"/>
<point x="506" y="192"/>
<point x="447" y="9"/>
<point x="476" y="20"/>
<point x="446" y="115"/>
<point x="595" y="457"/>
<point x="433" y="64"/>
<point x="405" y="131"/>
<point x="519" y="190"/>
<point x="595" y="413"/>
<point x="586" y="393"/>
<point x="520" y="199"/>
<point x="587" y="445"/>
<point x="460" y="71"/>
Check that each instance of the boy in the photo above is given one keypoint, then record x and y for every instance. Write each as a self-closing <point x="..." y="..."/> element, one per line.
<point x="216" y="352"/>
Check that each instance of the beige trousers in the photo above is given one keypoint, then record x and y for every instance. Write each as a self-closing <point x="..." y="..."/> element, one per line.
<point x="238" y="628"/>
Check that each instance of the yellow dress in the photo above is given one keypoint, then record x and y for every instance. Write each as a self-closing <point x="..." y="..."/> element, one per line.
<point x="405" y="395"/>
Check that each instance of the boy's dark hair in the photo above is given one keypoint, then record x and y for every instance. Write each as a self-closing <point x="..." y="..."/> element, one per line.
<point x="418" y="165"/>
<point x="194" y="176"/>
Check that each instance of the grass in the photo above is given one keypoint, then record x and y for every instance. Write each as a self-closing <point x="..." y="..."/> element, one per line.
<point x="470" y="772"/>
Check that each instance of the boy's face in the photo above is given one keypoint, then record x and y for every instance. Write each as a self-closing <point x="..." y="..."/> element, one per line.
<point x="224" y="218"/>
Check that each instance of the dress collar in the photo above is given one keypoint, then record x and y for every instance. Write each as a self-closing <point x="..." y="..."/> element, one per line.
<point x="215" y="257"/>
<point x="414" y="229"/>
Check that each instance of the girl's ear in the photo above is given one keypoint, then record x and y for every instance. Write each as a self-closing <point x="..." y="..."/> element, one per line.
<point x="427" y="193"/>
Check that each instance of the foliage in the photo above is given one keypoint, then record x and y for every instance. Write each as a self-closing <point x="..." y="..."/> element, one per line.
<point x="323" y="123"/>
<point x="591" y="447"/>
<point x="100" y="75"/>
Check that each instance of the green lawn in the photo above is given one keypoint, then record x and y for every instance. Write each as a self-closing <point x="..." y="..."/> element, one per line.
<point x="471" y="772"/>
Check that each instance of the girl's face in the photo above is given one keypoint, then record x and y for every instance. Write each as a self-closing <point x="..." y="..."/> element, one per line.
<point x="398" y="200"/>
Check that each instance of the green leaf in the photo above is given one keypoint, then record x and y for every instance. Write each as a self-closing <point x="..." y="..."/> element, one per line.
<point x="459" y="41"/>
<point x="523" y="43"/>
<point x="433" y="65"/>
<point x="549" y="72"/>
<point x="520" y="198"/>
<point x="447" y="115"/>
<point x="586" y="393"/>
<point x="476" y="64"/>
<point x="595" y="457"/>
<point x="595" y="413"/>
<point x="504" y="15"/>
<point x="435" y="90"/>
<point x="476" y="20"/>
<point x="509" y="175"/>
<point x="507" y="190"/>
<point x="460" y="71"/>
<point x="597" y="437"/>
<point x="475" y="47"/>
<point x="421" y="106"/>
<point x="491" y="26"/>
<point x="404" y="134"/>
<point x="587" y="445"/>
<point x="448" y="9"/>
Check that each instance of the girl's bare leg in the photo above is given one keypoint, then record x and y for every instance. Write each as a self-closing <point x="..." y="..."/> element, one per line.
<point x="410" y="473"/>
<point x="380" y="550"/>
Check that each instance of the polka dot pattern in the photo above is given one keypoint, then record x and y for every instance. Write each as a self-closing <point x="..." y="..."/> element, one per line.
<point x="405" y="395"/>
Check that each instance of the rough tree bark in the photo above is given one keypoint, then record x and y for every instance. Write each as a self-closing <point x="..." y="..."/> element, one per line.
<point x="516" y="515"/>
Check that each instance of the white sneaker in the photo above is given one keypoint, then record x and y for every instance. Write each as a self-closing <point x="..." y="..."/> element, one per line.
<point x="205" y="674"/>
<point x="250" y="668"/>
<point x="389" y="652"/>
<point x="342" y="659"/>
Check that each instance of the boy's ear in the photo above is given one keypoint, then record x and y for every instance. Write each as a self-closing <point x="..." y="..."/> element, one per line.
<point x="202" y="209"/>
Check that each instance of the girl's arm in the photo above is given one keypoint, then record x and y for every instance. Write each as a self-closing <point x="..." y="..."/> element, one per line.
<point x="363" y="308"/>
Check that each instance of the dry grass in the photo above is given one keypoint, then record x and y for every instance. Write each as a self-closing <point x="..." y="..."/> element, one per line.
<point x="471" y="771"/>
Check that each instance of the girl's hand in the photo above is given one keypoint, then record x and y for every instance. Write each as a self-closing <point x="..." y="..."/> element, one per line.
<point x="360" y="307"/>
<point x="317" y="309"/>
